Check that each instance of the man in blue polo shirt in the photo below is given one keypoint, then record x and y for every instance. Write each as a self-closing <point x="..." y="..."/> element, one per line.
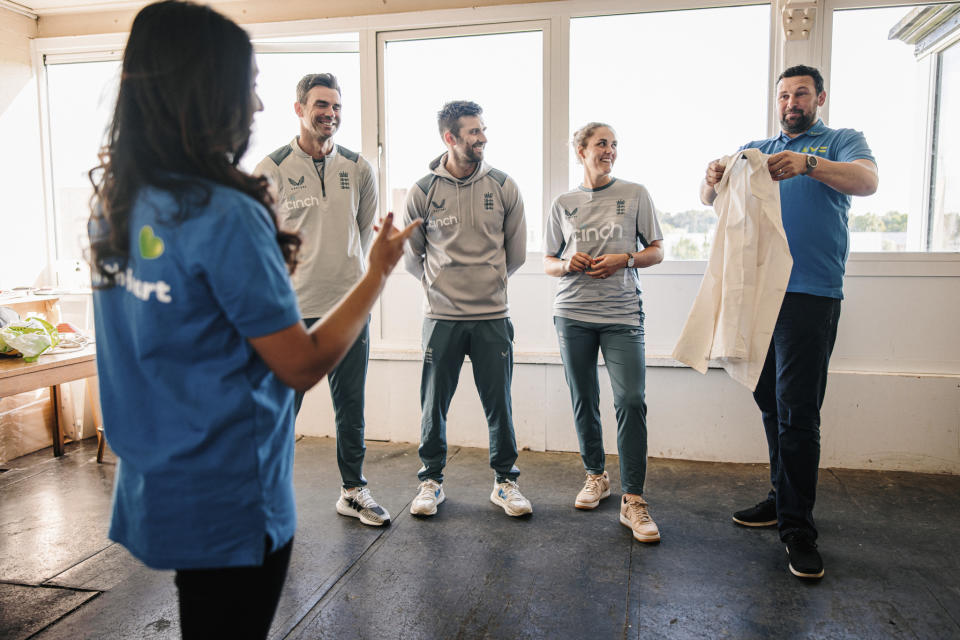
<point x="818" y="169"/>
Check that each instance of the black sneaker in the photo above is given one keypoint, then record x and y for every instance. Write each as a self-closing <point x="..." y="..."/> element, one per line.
<point x="805" y="561"/>
<point x="763" y="514"/>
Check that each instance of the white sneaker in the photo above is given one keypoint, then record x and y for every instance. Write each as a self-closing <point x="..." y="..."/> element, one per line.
<point x="429" y="495"/>
<point x="507" y="495"/>
<point x="357" y="502"/>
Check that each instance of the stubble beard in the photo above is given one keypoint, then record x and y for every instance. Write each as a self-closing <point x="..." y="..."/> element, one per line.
<point x="803" y="123"/>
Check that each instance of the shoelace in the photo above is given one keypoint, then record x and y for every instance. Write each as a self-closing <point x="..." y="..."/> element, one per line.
<point x="593" y="484"/>
<point x="640" y="510"/>
<point x="512" y="490"/>
<point x="364" y="498"/>
<point x="428" y="491"/>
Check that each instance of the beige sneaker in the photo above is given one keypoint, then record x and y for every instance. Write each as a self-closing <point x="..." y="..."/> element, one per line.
<point x="595" y="489"/>
<point x="634" y="514"/>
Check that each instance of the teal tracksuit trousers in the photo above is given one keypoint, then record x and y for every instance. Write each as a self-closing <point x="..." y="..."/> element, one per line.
<point x="623" y="353"/>
<point x="489" y="343"/>
<point x="347" y="383"/>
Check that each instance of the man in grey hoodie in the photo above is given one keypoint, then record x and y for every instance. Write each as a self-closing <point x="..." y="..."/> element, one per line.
<point x="473" y="237"/>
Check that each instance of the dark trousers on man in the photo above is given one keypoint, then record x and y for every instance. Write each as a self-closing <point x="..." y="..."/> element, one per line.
<point x="790" y="393"/>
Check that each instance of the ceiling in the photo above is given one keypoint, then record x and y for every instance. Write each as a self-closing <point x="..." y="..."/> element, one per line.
<point x="52" y="7"/>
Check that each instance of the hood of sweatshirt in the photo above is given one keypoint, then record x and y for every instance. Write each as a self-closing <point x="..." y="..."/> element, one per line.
<point x="438" y="167"/>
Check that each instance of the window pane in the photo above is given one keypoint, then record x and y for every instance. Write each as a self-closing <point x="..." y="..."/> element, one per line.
<point x="81" y="101"/>
<point x="501" y="72"/>
<point x="277" y="124"/>
<point x="648" y="75"/>
<point x="886" y="99"/>
<point x="945" y="213"/>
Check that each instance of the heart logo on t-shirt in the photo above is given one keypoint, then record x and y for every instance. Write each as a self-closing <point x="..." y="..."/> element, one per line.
<point x="151" y="247"/>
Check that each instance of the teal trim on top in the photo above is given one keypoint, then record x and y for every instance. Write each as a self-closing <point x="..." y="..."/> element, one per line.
<point x="588" y="190"/>
<point x="280" y="154"/>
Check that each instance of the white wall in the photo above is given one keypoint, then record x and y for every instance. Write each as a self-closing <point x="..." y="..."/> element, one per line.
<point x="893" y="398"/>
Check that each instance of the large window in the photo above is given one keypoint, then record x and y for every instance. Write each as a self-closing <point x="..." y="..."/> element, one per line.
<point x="944" y="228"/>
<point x="503" y="72"/>
<point x="81" y="98"/>
<point x="886" y="100"/>
<point x="281" y="66"/>
<point x="903" y="101"/>
<point x="680" y="91"/>
<point x="82" y="95"/>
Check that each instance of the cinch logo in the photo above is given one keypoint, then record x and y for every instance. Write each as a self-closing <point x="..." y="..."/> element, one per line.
<point x="297" y="184"/>
<point x="621" y="207"/>
<point x="570" y="214"/>
<point x="294" y="203"/>
<point x="609" y="231"/>
<point x="436" y="223"/>
<point x="814" y="150"/>
<point x="488" y="201"/>
<point x="438" y="207"/>
<point x="344" y="180"/>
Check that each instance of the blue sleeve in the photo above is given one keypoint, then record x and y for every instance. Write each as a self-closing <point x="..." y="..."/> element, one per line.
<point x="237" y="252"/>
<point x="852" y="145"/>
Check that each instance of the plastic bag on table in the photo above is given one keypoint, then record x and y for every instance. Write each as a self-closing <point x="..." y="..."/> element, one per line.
<point x="30" y="337"/>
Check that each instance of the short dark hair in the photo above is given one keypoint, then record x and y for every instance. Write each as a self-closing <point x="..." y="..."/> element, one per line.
<point x="448" y="118"/>
<point x="804" y="70"/>
<point x="312" y="80"/>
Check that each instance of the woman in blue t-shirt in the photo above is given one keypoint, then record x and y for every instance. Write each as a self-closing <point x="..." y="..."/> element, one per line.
<point x="597" y="236"/>
<point x="199" y="338"/>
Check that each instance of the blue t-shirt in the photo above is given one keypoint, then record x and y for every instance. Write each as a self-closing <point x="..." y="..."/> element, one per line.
<point x="815" y="215"/>
<point x="203" y="429"/>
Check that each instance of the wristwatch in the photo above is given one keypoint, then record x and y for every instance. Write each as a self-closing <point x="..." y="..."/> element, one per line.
<point x="811" y="164"/>
<point x="629" y="261"/>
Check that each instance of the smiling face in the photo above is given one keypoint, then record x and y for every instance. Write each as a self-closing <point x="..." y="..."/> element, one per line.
<point x="798" y="104"/>
<point x="598" y="152"/>
<point x="468" y="146"/>
<point x="320" y="113"/>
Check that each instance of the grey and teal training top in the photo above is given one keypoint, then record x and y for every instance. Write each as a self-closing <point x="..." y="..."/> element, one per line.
<point x="616" y="218"/>
<point x="331" y="204"/>
<point x="472" y="238"/>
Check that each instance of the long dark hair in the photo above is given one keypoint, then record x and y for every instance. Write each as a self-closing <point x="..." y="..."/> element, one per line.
<point x="183" y="112"/>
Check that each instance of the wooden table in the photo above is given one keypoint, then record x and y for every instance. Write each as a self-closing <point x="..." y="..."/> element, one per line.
<point x="50" y="370"/>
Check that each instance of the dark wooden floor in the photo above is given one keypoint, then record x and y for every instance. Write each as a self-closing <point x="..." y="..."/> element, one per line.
<point x="889" y="542"/>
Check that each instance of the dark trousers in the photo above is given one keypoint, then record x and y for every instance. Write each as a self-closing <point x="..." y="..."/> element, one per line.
<point x="790" y="393"/>
<point x="348" y="382"/>
<point x="235" y="602"/>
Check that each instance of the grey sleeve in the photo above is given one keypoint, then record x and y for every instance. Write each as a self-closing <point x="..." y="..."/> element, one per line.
<point x="268" y="168"/>
<point x="648" y="227"/>
<point x="415" y="247"/>
<point x="514" y="227"/>
<point x="367" y="205"/>
<point x="553" y="240"/>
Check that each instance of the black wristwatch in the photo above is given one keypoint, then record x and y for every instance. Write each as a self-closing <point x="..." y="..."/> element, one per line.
<point x="811" y="164"/>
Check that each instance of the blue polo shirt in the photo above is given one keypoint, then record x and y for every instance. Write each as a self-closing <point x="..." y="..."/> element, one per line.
<point x="815" y="215"/>
<point x="202" y="428"/>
